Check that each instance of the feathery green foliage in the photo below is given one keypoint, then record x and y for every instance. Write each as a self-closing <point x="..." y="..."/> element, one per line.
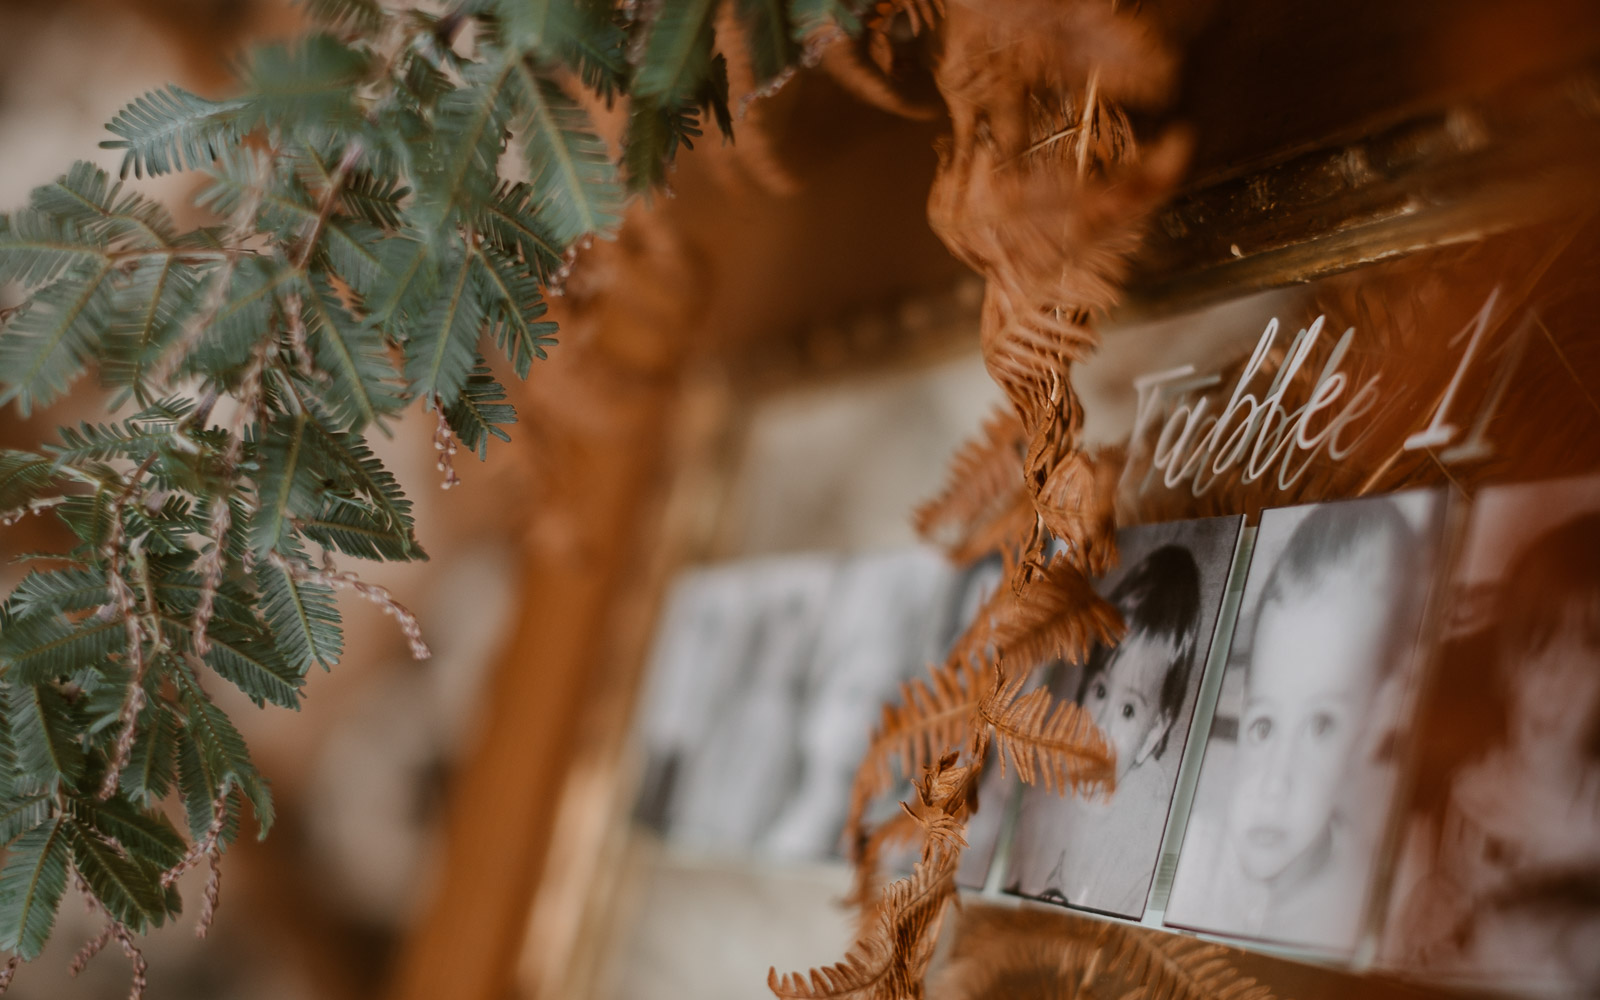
<point x="393" y="194"/>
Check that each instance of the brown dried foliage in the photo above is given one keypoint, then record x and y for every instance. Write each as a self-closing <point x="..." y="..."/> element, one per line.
<point x="1042" y="189"/>
<point x="1048" y="740"/>
<point x="889" y="961"/>
<point x="983" y="495"/>
<point x="933" y="716"/>
<point x="1058" y="616"/>
<point x="1036" y="953"/>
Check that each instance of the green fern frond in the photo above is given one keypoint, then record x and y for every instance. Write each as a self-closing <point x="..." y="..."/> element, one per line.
<point x="677" y="52"/>
<point x="442" y="342"/>
<point x="769" y="37"/>
<point x="356" y="530"/>
<point x="251" y="662"/>
<point x="147" y="777"/>
<point x="255" y="287"/>
<point x="570" y="172"/>
<point x="147" y="834"/>
<point x="308" y="88"/>
<point x="36" y="248"/>
<point x="150" y="308"/>
<point x="374" y="198"/>
<point x="21" y="814"/>
<point x="41" y="647"/>
<point x="303" y="616"/>
<point x="363" y="386"/>
<point x="457" y="169"/>
<point x="57" y="334"/>
<point x="511" y="222"/>
<point x="346" y="464"/>
<point x="132" y="439"/>
<point x="171" y="129"/>
<point x="480" y="411"/>
<point x="654" y="135"/>
<point x="46" y="732"/>
<point x="31" y="886"/>
<point x="24" y="477"/>
<point x="289" y="487"/>
<point x="515" y="309"/>
<point x="222" y="753"/>
<point x="131" y="892"/>
<point x="369" y="237"/>
<point x="597" y="50"/>
<point x="57" y="592"/>
<point x="86" y="197"/>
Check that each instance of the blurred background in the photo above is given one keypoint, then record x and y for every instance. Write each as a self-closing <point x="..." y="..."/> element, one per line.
<point x="778" y="359"/>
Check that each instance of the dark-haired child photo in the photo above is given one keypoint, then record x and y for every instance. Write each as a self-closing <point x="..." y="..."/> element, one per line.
<point x="1297" y="781"/>
<point x="1499" y="883"/>
<point x="1100" y="853"/>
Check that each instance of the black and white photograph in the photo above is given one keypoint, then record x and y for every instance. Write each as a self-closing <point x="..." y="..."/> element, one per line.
<point x="972" y="588"/>
<point x="1297" y="782"/>
<point x="765" y="684"/>
<point x="1100" y="853"/>
<point x="1498" y="884"/>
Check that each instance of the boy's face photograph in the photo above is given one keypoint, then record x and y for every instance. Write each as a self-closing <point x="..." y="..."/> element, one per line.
<point x="1310" y="682"/>
<point x="1124" y="699"/>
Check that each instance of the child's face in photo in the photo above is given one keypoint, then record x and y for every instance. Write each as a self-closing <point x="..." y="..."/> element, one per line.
<point x="1311" y="679"/>
<point x="1124" y="699"/>
<point x="1554" y="690"/>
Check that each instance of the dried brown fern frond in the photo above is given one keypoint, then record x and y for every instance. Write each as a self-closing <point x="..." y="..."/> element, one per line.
<point x="983" y="485"/>
<point x="889" y="961"/>
<point x="1054" y="249"/>
<point x="1022" y="964"/>
<point x="942" y="833"/>
<point x="1048" y="740"/>
<point x="1077" y="502"/>
<point x="1067" y="130"/>
<point x="1069" y="44"/>
<point x="1155" y="966"/>
<point x="933" y="716"/>
<point x="932" y="822"/>
<point x="1058" y="616"/>
<point x="1011" y="532"/>
<point x="895" y="837"/>
<point x="1028" y="954"/>
<point x="843" y="61"/>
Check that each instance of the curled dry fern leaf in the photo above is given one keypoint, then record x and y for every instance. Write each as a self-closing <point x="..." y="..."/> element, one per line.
<point x="1053" y="953"/>
<point x="933" y="716"/>
<point x="1057" y="616"/>
<point x="983" y="487"/>
<point x="889" y="961"/>
<point x="1154" y="966"/>
<point x="1048" y="740"/>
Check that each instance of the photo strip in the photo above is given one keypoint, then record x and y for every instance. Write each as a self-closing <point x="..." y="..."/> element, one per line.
<point x="1297" y="782"/>
<point x="765" y="684"/>
<point x="1498" y="882"/>
<point x="1101" y="853"/>
<point x="974" y="586"/>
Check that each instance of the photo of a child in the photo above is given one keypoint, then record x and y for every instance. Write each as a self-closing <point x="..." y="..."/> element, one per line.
<point x="1499" y="880"/>
<point x="1299" y="769"/>
<point x="766" y="679"/>
<point x="1101" y="853"/>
